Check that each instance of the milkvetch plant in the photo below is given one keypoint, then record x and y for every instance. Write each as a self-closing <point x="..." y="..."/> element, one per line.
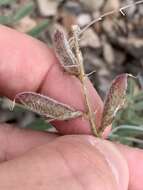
<point x="70" y="58"/>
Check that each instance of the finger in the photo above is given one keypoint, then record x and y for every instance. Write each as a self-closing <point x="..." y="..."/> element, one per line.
<point x="15" y="142"/>
<point x="70" y="162"/>
<point x="134" y="157"/>
<point x="28" y="65"/>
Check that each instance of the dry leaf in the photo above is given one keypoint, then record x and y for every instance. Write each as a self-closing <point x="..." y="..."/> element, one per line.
<point x="64" y="53"/>
<point x="115" y="100"/>
<point x="47" y="107"/>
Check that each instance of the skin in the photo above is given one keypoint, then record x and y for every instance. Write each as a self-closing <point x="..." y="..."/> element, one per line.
<point x="31" y="160"/>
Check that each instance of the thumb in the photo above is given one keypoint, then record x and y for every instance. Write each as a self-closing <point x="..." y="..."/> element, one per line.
<point x="68" y="162"/>
<point x="105" y="162"/>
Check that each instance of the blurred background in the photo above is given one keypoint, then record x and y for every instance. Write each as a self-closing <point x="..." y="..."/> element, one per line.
<point x="111" y="46"/>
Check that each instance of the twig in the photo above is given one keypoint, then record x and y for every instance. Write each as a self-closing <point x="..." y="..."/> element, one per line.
<point x="74" y="43"/>
<point x="91" y="73"/>
<point x="110" y="13"/>
<point x="121" y="10"/>
<point x="82" y="78"/>
<point x="96" y="20"/>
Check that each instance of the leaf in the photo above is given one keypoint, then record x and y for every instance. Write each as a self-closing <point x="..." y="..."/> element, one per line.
<point x="131" y="87"/>
<point x="138" y="97"/>
<point x="128" y="130"/>
<point x="39" y="124"/>
<point x="136" y="120"/>
<point x="23" y="11"/>
<point x="38" y="29"/>
<point x="5" y="19"/>
<point x="5" y="2"/>
<point x="115" y="99"/>
<point x="138" y="106"/>
<point x="46" y="106"/>
<point x="131" y="141"/>
<point x="64" y="53"/>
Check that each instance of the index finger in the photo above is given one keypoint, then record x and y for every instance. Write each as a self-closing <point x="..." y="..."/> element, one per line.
<point x="26" y="64"/>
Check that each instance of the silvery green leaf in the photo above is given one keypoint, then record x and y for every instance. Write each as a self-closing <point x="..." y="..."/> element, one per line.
<point x="127" y="130"/>
<point x="130" y="141"/>
<point x="34" y="32"/>
<point x="5" y="2"/>
<point x="23" y="11"/>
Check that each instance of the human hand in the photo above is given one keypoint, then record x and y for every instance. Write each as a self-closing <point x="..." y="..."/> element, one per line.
<point x="37" y="160"/>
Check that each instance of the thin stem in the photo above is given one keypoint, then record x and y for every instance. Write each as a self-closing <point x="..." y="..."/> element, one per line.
<point x="110" y="13"/>
<point x="96" y="20"/>
<point x="82" y="78"/>
<point x="121" y="10"/>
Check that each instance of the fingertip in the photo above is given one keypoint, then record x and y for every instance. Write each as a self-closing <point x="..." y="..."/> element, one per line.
<point x="103" y="158"/>
<point x="24" y="62"/>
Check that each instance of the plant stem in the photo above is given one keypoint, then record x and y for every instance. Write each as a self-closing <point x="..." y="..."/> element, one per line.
<point x="121" y="10"/>
<point x="82" y="77"/>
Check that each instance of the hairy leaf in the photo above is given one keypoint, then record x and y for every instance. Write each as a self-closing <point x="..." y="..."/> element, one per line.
<point x="47" y="107"/>
<point x="115" y="100"/>
<point x="64" y="53"/>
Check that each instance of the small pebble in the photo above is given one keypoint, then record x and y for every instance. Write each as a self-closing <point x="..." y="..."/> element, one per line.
<point x="111" y="5"/>
<point x="25" y="24"/>
<point x="90" y="39"/>
<point x="108" y="53"/>
<point x="83" y="19"/>
<point x="47" y="7"/>
<point x="92" y="5"/>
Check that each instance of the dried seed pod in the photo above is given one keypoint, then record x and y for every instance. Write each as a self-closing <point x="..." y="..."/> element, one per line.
<point x="115" y="100"/>
<point x="64" y="53"/>
<point x="47" y="107"/>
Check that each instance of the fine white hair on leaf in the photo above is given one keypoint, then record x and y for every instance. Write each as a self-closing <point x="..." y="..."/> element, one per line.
<point x="115" y="100"/>
<point x="64" y="52"/>
<point x="46" y="106"/>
